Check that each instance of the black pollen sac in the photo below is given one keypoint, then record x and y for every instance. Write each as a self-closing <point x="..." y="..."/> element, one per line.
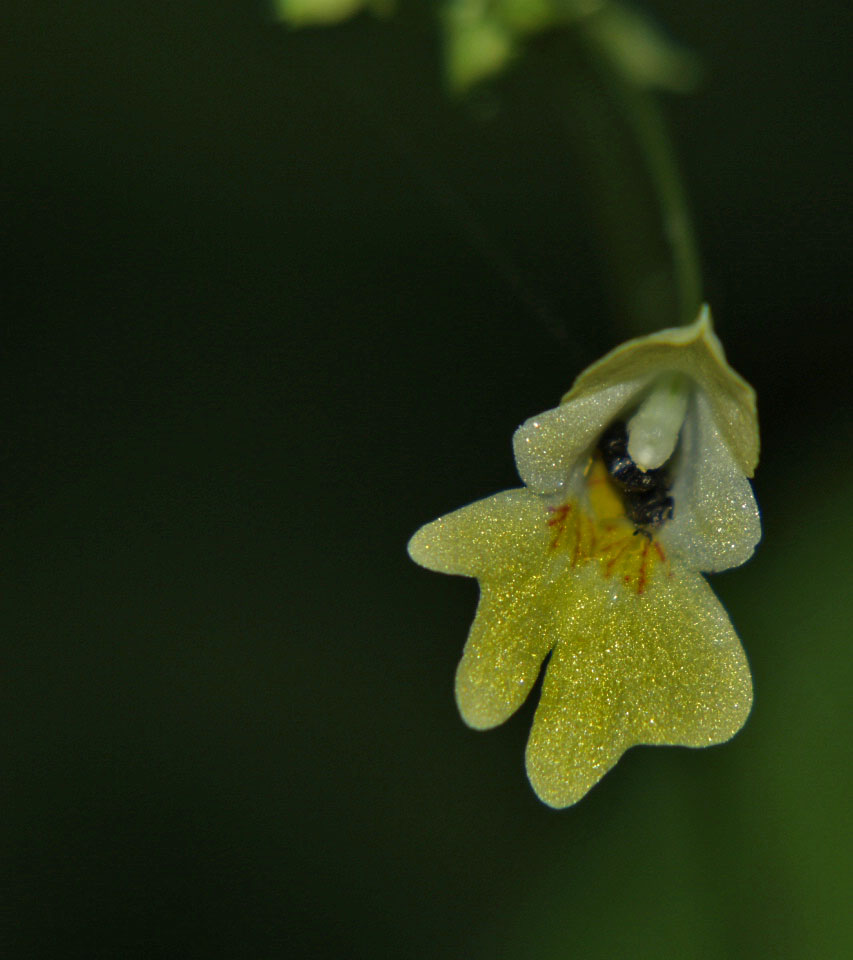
<point x="645" y="493"/>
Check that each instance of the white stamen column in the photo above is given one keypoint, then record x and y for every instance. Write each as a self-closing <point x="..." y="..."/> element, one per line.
<point x="653" y="429"/>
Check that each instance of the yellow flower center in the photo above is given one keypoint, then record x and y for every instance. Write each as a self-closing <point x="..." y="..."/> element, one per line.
<point x="605" y="535"/>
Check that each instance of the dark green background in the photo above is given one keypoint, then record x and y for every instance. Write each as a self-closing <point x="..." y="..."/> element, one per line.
<point x="275" y="302"/>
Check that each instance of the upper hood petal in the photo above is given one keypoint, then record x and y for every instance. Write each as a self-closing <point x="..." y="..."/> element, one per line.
<point x="696" y="352"/>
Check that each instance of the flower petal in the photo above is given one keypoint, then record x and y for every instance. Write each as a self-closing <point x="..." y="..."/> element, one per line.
<point x="550" y="446"/>
<point x="665" y="667"/>
<point x="716" y="523"/>
<point x="510" y="637"/>
<point x="504" y="541"/>
<point x="697" y="352"/>
<point x="506" y="533"/>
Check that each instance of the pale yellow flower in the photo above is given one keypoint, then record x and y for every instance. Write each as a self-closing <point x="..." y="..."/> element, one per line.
<point x="576" y="565"/>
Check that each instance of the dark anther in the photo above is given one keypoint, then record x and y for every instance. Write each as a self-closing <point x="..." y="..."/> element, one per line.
<point x="645" y="493"/>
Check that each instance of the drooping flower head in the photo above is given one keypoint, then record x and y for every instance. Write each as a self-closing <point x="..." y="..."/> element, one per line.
<point x="635" y="484"/>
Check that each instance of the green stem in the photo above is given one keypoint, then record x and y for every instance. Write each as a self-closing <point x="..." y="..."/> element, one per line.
<point x="637" y="203"/>
<point x="646" y="121"/>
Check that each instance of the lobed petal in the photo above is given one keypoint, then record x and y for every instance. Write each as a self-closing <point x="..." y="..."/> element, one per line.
<point x="503" y="540"/>
<point x="510" y="637"/>
<point x="716" y="523"/>
<point x="502" y="535"/>
<point x="664" y="667"/>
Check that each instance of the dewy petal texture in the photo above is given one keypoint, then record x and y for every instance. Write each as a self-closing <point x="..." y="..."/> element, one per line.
<point x="716" y="524"/>
<point x="501" y="540"/>
<point x="664" y="668"/>
<point x="509" y="639"/>
<point x="549" y="447"/>
<point x="503" y="533"/>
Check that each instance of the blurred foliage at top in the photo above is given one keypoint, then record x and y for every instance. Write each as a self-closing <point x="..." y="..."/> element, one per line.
<point x="483" y="37"/>
<point x="306" y="13"/>
<point x="618" y="54"/>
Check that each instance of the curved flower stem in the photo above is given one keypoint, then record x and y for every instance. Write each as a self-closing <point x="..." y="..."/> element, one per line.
<point x="647" y="124"/>
<point x="638" y="205"/>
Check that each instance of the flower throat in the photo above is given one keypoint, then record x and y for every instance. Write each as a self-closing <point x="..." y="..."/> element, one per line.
<point x="644" y="493"/>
